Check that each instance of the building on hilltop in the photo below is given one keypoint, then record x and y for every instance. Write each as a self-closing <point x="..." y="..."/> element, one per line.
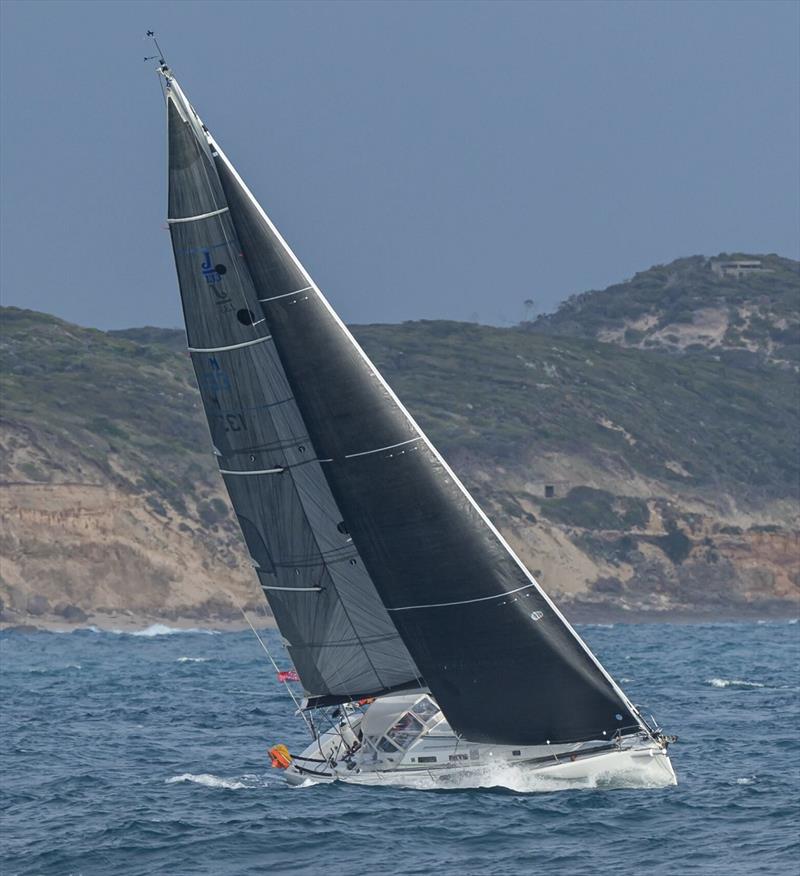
<point x="737" y="268"/>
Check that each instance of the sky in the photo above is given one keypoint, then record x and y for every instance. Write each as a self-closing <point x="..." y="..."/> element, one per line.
<point x="424" y="160"/>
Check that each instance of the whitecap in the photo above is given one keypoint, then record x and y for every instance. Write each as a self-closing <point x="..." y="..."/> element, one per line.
<point x="733" y="682"/>
<point x="746" y="780"/>
<point x="207" y="780"/>
<point x="194" y="659"/>
<point x="163" y="630"/>
<point x="793" y="620"/>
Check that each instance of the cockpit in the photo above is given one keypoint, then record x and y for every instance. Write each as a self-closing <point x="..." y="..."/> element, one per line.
<point x="391" y="730"/>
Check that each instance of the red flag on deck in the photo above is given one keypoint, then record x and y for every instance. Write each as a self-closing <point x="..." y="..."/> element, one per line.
<point x="288" y="675"/>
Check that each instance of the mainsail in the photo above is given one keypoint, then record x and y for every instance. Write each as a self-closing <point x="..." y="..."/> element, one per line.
<point x="339" y="634"/>
<point x="380" y="568"/>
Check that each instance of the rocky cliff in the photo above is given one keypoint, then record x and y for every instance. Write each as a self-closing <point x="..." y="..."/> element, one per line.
<point x="636" y="484"/>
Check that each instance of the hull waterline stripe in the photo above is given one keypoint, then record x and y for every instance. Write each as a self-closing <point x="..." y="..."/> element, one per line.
<point x="463" y="601"/>
<point x="379" y="449"/>
<point x="259" y="472"/>
<point x="200" y="216"/>
<point x="231" y="347"/>
<point x="285" y="294"/>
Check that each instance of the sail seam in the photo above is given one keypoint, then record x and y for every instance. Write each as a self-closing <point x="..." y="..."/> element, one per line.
<point x="286" y="294"/>
<point x="462" y="601"/>
<point x="379" y="449"/>
<point x="199" y="216"/>
<point x="231" y="347"/>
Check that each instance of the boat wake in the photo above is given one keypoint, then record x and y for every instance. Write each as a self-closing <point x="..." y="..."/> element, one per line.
<point x="163" y="630"/>
<point x="734" y="682"/>
<point x="207" y="780"/>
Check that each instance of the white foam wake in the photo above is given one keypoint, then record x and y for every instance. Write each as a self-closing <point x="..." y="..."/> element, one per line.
<point x="733" y="682"/>
<point x="161" y="630"/>
<point x="207" y="780"/>
<point x="517" y="778"/>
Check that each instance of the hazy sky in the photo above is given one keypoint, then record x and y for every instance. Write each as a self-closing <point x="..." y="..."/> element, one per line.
<point x="424" y="160"/>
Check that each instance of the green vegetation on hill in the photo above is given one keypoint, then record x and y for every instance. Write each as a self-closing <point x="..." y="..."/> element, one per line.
<point x="758" y="313"/>
<point x="479" y="391"/>
<point x="510" y="394"/>
<point x="129" y="411"/>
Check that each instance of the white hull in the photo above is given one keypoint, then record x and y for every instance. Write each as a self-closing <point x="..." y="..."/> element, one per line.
<point x="357" y="751"/>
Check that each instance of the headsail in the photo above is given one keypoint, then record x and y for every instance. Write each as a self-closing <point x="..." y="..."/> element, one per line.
<point x="338" y="632"/>
<point x="503" y="663"/>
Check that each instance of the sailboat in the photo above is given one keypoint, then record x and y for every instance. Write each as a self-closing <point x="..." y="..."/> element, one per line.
<point x="422" y="643"/>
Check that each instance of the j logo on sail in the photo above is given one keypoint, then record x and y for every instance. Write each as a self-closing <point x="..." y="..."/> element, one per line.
<point x="212" y="273"/>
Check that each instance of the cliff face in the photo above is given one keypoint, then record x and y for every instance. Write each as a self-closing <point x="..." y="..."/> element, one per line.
<point x="111" y="510"/>
<point x="634" y="483"/>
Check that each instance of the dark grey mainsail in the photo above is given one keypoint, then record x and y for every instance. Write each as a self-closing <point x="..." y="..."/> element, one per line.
<point x="339" y="634"/>
<point x="503" y="663"/>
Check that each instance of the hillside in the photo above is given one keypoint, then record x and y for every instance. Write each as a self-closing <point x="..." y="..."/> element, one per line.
<point x="674" y="480"/>
<point x="739" y="308"/>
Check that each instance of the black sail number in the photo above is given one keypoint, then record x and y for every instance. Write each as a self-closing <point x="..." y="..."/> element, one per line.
<point x="229" y="422"/>
<point x="235" y="423"/>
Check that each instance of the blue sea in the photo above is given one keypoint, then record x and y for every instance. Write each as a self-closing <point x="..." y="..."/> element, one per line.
<point x="145" y="753"/>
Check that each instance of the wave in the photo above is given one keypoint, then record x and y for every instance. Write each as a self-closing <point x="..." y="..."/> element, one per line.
<point x="147" y="632"/>
<point x="746" y="780"/>
<point x="734" y="682"/>
<point x="194" y="659"/>
<point x="208" y="781"/>
<point x="162" y="630"/>
<point x="46" y="670"/>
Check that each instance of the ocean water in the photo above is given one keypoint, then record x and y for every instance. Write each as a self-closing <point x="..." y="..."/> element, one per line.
<point x="145" y="754"/>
